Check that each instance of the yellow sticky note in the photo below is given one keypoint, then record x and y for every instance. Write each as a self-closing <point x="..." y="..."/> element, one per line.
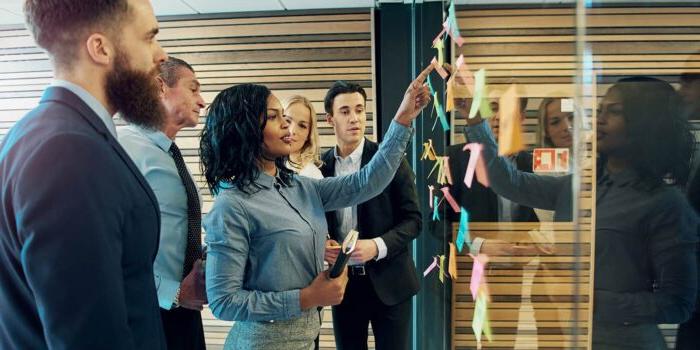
<point x="453" y="262"/>
<point x="439" y="45"/>
<point x="479" y="83"/>
<point x="510" y="140"/>
<point x="442" y="268"/>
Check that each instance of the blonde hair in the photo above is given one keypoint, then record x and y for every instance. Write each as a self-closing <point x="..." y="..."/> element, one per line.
<point x="545" y="140"/>
<point x="311" y="151"/>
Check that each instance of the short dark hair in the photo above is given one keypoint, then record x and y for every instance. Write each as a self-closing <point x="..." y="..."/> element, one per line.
<point x="341" y="87"/>
<point x="232" y="139"/>
<point x="59" y="25"/>
<point x="169" y="70"/>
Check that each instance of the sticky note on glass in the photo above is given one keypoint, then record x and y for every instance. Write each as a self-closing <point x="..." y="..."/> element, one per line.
<point x="474" y="154"/>
<point x="431" y="267"/>
<point x="567" y="105"/>
<point x="479" y="82"/>
<point x="452" y="269"/>
<point x="510" y="139"/>
<point x="440" y="47"/>
<point x="442" y="268"/>
<point x="463" y="232"/>
<point x="438" y="67"/>
<point x="478" y="268"/>
<point x="480" y="322"/>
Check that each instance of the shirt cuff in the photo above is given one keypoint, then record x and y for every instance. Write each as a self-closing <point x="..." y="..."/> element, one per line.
<point x="292" y="303"/>
<point x="476" y="246"/>
<point x="381" y="248"/>
<point x="167" y="289"/>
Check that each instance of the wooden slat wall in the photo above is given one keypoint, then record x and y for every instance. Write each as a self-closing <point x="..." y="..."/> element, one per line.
<point x="291" y="54"/>
<point x="536" y="48"/>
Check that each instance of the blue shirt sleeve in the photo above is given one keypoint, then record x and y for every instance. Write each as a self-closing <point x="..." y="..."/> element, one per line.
<point x="531" y="190"/>
<point x="349" y="190"/>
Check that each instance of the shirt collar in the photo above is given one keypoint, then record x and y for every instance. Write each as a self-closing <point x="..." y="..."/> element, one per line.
<point x="89" y="100"/>
<point x="268" y="181"/>
<point x="355" y="156"/>
<point x="621" y="179"/>
<point x="156" y="136"/>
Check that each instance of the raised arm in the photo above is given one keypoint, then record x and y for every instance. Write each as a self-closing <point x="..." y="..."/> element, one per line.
<point x="346" y="191"/>
<point x="537" y="191"/>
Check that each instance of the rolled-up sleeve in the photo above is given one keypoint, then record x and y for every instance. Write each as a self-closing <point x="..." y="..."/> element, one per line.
<point x="228" y="238"/>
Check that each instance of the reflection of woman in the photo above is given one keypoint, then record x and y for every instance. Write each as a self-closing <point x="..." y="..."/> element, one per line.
<point x="266" y="231"/>
<point x="555" y="125"/>
<point x="645" y="230"/>
<point x="304" y="158"/>
<point x="555" y="132"/>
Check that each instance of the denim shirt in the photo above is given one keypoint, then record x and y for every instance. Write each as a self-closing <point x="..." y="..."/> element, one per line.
<point x="264" y="247"/>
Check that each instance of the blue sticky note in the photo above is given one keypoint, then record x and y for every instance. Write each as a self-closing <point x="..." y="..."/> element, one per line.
<point x="463" y="233"/>
<point x="436" y="214"/>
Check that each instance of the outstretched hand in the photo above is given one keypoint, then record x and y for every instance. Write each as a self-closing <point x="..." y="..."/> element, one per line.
<point x="417" y="96"/>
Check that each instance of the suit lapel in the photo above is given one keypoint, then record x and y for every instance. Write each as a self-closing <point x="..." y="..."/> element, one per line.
<point x="66" y="97"/>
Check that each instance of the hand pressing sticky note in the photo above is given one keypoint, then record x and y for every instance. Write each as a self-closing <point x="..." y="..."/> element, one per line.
<point x="509" y="124"/>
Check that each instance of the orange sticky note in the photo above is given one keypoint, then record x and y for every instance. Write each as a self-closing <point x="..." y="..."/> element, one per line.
<point x="452" y="269"/>
<point x="510" y="140"/>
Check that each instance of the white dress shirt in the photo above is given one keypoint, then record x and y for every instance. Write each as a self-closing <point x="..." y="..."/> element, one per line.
<point x="347" y="217"/>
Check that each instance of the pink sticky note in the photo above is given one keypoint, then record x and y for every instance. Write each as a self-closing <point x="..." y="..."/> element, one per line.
<point x="477" y="273"/>
<point x="458" y="40"/>
<point x="447" y="171"/>
<point x="446" y="191"/>
<point x="431" y="267"/>
<point x="460" y="62"/>
<point x="474" y="154"/>
<point x="438" y="68"/>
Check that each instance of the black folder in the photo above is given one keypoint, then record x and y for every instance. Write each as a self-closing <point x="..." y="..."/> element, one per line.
<point x="344" y="254"/>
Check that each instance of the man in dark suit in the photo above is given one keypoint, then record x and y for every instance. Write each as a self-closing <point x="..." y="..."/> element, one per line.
<point x="382" y="278"/>
<point x="79" y="224"/>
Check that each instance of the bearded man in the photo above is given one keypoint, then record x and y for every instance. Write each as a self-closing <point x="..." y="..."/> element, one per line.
<point x="79" y="225"/>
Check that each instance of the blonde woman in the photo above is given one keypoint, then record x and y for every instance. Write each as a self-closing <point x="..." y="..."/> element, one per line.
<point x="305" y="156"/>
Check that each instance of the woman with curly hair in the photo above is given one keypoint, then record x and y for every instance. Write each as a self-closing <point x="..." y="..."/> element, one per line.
<point x="267" y="230"/>
<point x="305" y="157"/>
<point x="646" y="232"/>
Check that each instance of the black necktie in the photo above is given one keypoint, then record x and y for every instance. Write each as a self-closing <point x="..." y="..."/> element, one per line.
<point x="193" y="251"/>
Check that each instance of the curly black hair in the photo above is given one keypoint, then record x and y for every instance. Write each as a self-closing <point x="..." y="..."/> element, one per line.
<point x="660" y="141"/>
<point x="231" y="146"/>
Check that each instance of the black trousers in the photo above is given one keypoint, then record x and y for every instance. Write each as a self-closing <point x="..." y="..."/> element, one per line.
<point x="183" y="329"/>
<point x="391" y="325"/>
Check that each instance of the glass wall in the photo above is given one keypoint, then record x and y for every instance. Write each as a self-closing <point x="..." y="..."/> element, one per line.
<point x="581" y="234"/>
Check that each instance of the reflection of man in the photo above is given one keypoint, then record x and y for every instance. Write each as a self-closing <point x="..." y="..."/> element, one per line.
<point x="383" y="278"/>
<point x="482" y="203"/>
<point x="79" y="224"/>
<point x="178" y="271"/>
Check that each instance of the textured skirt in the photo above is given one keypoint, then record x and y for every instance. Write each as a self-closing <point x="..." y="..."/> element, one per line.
<point x="294" y="334"/>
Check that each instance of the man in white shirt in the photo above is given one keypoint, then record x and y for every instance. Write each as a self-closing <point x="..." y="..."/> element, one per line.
<point x="387" y="224"/>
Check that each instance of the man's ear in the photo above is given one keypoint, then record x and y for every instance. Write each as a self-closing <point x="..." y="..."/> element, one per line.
<point x="161" y="85"/>
<point x="329" y="119"/>
<point x="99" y="49"/>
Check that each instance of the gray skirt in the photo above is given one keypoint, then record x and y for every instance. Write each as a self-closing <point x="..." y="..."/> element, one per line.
<point x="295" y="334"/>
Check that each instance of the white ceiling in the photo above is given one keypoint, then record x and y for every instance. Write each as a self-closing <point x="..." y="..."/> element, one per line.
<point x="11" y="10"/>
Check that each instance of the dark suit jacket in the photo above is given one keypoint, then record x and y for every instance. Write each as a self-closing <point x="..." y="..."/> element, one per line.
<point x="79" y="229"/>
<point x="481" y="202"/>
<point x="394" y="216"/>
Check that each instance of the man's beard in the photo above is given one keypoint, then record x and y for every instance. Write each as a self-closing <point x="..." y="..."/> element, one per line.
<point x="134" y="94"/>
